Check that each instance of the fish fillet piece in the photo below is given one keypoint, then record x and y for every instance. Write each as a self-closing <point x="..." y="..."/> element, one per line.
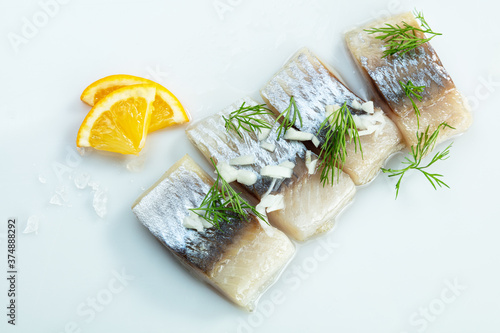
<point x="314" y="85"/>
<point x="310" y="207"/>
<point x="441" y="101"/>
<point x="240" y="260"/>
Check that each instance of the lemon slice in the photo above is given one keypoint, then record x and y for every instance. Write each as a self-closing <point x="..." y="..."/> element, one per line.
<point x="119" y="122"/>
<point x="168" y="111"/>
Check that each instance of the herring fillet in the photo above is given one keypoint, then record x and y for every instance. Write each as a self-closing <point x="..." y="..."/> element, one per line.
<point x="310" y="208"/>
<point x="441" y="101"/>
<point x="241" y="260"/>
<point x="314" y="85"/>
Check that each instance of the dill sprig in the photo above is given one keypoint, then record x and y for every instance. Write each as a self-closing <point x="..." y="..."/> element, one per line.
<point x="222" y="203"/>
<point x="246" y="118"/>
<point x="289" y="115"/>
<point x="425" y="144"/>
<point x="340" y="130"/>
<point x="403" y="38"/>
<point x="411" y="91"/>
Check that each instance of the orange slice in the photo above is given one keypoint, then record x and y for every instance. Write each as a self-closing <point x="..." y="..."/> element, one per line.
<point x="167" y="111"/>
<point x="119" y="122"/>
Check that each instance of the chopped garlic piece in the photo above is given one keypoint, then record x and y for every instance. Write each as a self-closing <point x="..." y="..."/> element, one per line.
<point x="263" y="134"/>
<point x="331" y="109"/>
<point x="292" y="134"/>
<point x="368" y="124"/>
<point x="227" y="172"/>
<point x="194" y="221"/>
<point x="361" y="122"/>
<point x="268" y="146"/>
<point x="312" y="167"/>
<point x="264" y="223"/>
<point x="246" y="177"/>
<point x="206" y="224"/>
<point x="276" y="171"/>
<point x="273" y="202"/>
<point x="269" y="203"/>
<point x="315" y="141"/>
<point x="356" y="105"/>
<point x="288" y="164"/>
<point x="310" y="164"/>
<point x="243" y="160"/>
<point x="368" y="107"/>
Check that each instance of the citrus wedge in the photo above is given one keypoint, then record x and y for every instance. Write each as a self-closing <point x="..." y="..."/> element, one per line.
<point x="119" y="122"/>
<point x="167" y="111"/>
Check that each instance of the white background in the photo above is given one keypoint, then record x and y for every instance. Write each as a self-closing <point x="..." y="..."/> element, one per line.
<point x="390" y="259"/>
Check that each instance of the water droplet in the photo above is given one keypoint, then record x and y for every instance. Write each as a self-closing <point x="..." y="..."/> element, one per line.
<point x="32" y="225"/>
<point x="42" y="179"/>
<point x="81" y="181"/>
<point x="56" y="200"/>
<point x="136" y="163"/>
<point x="100" y="203"/>
<point x="61" y="191"/>
<point x="94" y="185"/>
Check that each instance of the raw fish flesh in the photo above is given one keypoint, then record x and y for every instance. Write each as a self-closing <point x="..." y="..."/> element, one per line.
<point x="310" y="207"/>
<point x="441" y="101"/>
<point x="240" y="260"/>
<point x="314" y="85"/>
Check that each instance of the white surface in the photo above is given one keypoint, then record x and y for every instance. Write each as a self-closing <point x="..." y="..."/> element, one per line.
<point x="389" y="259"/>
